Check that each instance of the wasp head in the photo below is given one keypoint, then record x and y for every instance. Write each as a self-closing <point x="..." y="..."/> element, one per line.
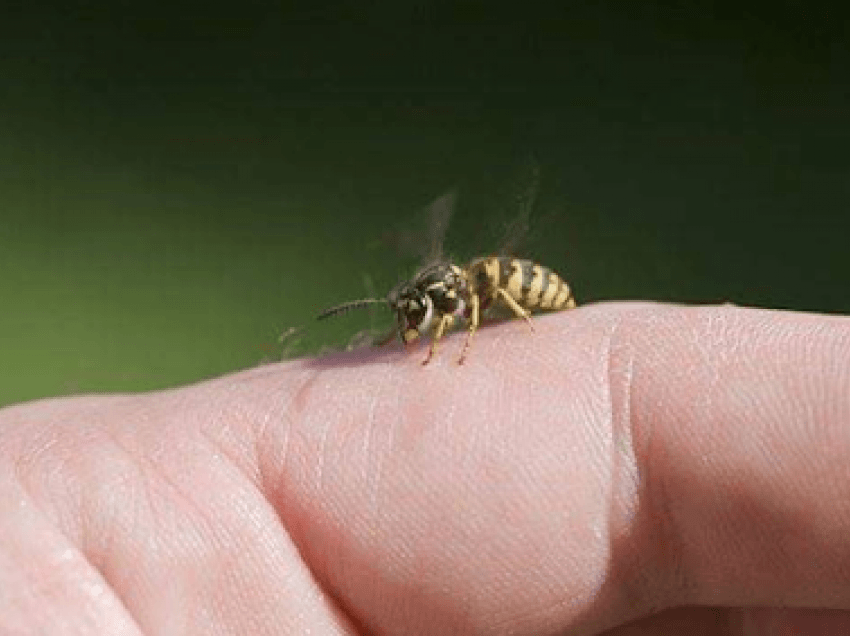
<point x="414" y="311"/>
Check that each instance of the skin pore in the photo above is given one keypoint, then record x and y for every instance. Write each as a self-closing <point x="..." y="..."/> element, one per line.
<point x="625" y="469"/>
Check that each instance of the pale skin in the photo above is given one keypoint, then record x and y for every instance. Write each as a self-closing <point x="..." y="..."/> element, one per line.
<point x="626" y="469"/>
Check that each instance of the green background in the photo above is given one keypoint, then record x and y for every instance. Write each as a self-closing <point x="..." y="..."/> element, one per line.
<point x="180" y="184"/>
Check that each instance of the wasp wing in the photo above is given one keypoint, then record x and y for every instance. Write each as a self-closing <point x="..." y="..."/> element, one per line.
<point x="440" y="214"/>
<point x="523" y="197"/>
<point x="422" y="236"/>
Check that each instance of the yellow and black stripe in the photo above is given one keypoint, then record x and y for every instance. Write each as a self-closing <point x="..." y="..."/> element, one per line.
<point x="530" y="285"/>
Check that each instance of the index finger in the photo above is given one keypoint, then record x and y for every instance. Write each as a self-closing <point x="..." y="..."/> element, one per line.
<point x="624" y="457"/>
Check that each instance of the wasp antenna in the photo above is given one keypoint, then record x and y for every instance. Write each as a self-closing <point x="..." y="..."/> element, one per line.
<point x="346" y="307"/>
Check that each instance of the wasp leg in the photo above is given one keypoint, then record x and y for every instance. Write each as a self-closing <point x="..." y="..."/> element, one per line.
<point x="474" y="317"/>
<point x="519" y="311"/>
<point x="445" y="322"/>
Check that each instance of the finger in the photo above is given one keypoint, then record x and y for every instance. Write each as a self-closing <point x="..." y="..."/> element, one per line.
<point x="522" y="492"/>
<point x="452" y="499"/>
<point x="740" y="427"/>
<point x="48" y="586"/>
<point x="142" y="513"/>
<point x="539" y="483"/>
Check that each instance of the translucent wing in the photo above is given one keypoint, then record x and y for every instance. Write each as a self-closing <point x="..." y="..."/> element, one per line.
<point x="525" y="188"/>
<point x="440" y="214"/>
<point x="423" y="234"/>
<point x="503" y="225"/>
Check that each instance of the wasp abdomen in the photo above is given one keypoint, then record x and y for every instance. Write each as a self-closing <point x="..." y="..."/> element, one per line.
<point x="531" y="285"/>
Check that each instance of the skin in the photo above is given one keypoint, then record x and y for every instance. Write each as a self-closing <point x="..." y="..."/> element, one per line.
<point x="626" y="469"/>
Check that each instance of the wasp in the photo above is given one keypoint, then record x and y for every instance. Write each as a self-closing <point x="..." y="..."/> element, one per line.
<point x="443" y="293"/>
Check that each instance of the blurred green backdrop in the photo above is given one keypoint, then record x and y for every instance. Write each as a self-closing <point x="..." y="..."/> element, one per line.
<point x="181" y="183"/>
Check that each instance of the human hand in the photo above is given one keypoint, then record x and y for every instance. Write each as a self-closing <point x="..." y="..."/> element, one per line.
<point x="637" y="468"/>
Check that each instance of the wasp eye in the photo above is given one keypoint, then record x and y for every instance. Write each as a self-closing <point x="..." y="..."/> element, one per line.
<point x="414" y="317"/>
